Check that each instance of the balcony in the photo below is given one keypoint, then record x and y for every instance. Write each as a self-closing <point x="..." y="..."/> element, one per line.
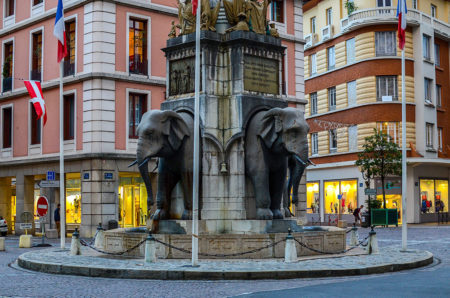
<point x="385" y="15"/>
<point x="327" y="32"/>
<point x="35" y="75"/>
<point x="311" y="39"/>
<point x="139" y="67"/>
<point x="68" y="68"/>
<point x="7" y="84"/>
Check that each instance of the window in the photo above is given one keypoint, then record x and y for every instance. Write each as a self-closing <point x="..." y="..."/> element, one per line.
<point x="35" y="127"/>
<point x="351" y="93"/>
<point x="313" y="25"/>
<point x="138" y="47"/>
<point x="312" y="64"/>
<point x="433" y="11"/>
<point x="329" y="16"/>
<point x="426" y="47"/>
<point x="353" y="138"/>
<point x="333" y="140"/>
<point x="427" y="89"/>
<point x="313" y="103"/>
<point x="437" y="55"/>
<point x="429" y="135"/>
<point x="69" y="61"/>
<point x="383" y="3"/>
<point x="7" y="128"/>
<point x="350" y="46"/>
<point x="391" y="129"/>
<point x="438" y="96"/>
<point x="8" y="67"/>
<point x="69" y="117"/>
<point x="277" y="11"/>
<point x="9" y="8"/>
<point x="433" y="195"/>
<point x="341" y="197"/>
<point x="137" y="108"/>
<point x="385" y="43"/>
<point x="330" y="58"/>
<point x="332" y="99"/>
<point x="36" y="57"/>
<point x="283" y="76"/>
<point x="36" y="2"/>
<point x="387" y="88"/>
<point x="312" y="197"/>
<point x="414" y="4"/>
<point x="314" y="143"/>
<point x="440" y="138"/>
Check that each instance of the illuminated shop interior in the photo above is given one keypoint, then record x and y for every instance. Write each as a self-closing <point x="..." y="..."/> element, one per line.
<point x="73" y="198"/>
<point x="312" y="197"/>
<point x="341" y="197"/>
<point x="433" y="195"/>
<point x="392" y="202"/>
<point x="132" y="200"/>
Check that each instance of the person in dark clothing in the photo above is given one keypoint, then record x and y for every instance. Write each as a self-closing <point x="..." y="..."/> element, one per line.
<point x="356" y="214"/>
<point x="57" y="217"/>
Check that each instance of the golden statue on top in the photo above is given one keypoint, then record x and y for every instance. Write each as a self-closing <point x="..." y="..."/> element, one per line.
<point x="255" y="10"/>
<point x="187" y="19"/>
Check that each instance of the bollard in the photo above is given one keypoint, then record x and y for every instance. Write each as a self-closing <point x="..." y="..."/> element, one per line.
<point x="372" y="246"/>
<point x="354" y="236"/>
<point x="290" y="251"/>
<point x="75" y="246"/>
<point x="100" y="237"/>
<point x="150" y="249"/>
<point x="25" y="241"/>
<point x="2" y="244"/>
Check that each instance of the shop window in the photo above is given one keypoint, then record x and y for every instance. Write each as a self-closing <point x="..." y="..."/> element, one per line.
<point x="313" y="103"/>
<point x="312" y="197"/>
<point x="350" y="47"/>
<point x="331" y="61"/>
<point x="332" y="99"/>
<point x="387" y="88"/>
<point x="138" y="63"/>
<point x="391" y="129"/>
<point x="137" y="107"/>
<point x="437" y="55"/>
<point x="385" y="43"/>
<point x="9" y="8"/>
<point x="312" y="64"/>
<point x="341" y="197"/>
<point x="427" y="90"/>
<point x="440" y="139"/>
<point x="35" y="124"/>
<point x="69" y="61"/>
<point x="313" y="25"/>
<point x="329" y="13"/>
<point x="277" y="11"/>
<point x="426" y="47"/>
<point x="36" y="57"/>
<point x="73" y="198"/>
<point x="429" y="127"/>
<point x="132" y="200"/>
<point x="69" y="117"/>
<point x="7" y="70"/>
<point x="433" y="195"/>
<point x="333" y="140"/>
<point x="314" y="143"/>
<point x="7" y="128"/>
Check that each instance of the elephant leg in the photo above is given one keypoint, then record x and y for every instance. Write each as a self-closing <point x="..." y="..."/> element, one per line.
<point x="277" y="182"/>
<point x="287" y="198"/>
<point x="262" y="196"/>
<point x="166" y="183"/>
<point x="187" y="182"/>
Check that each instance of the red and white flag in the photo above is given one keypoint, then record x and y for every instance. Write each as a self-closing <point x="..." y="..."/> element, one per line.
<point x="402" y="10"/>
<point x="194" y="7"/>
<point x="37" y="98"/>
<point x="60" y="31"/>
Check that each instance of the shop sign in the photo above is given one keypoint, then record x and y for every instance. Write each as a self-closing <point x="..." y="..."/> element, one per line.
<point x="392" y="186"/>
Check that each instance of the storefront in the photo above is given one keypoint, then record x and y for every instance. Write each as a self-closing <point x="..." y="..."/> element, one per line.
<point x="393" y="194"/>
<point x="341" y="196"/>
<point x="312" y="197"/>
<point x="433" y="195"/>
<point x="132" y="200"/>
<point x="73" y="199"/>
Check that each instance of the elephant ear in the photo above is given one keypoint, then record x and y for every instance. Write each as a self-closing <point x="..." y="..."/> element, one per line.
<point x="271" y="126"/>
<point x="175" y="128"/>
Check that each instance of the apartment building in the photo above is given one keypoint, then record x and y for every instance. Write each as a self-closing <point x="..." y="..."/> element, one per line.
<point x="353" y="85"/>
<point x="114" y="73"/>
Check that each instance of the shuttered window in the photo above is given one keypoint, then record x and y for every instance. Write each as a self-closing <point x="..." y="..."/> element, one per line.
<point x="350" y="45"/>
<point x="351" y="93"/>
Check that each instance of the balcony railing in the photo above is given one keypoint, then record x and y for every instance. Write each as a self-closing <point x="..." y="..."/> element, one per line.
<point x="7" y="84"/>
<point x="35" y="75"/>
<point x="69" y="68"/>
<point x="389" y="15"/>
<point x="138" y="67"/>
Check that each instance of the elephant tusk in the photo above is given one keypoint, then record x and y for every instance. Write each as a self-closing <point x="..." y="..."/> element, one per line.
<point x="144" y="162"/>
<point x="309" y="161"/>
<point x="299" y="160"/>
<point x="133" y="163"/>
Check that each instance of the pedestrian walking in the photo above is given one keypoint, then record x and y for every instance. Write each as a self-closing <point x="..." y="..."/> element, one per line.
<point x="57" y="217"/>
<point x="356" y="214"/>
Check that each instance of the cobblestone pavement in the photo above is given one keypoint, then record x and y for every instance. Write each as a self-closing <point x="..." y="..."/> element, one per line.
<point x="21" y="283"/>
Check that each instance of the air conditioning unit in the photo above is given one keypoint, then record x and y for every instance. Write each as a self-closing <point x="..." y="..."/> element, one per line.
<point x="327" y="32"/>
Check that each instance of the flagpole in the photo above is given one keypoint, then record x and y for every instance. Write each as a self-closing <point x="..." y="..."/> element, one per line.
<point x="196" y="141"/>
<point x="404" y="169"/>
<point x="62" y="210"/>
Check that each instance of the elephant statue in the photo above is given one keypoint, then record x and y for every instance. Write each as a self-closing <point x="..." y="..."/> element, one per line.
<point x="273" y="137"/>
<point x="296" y="168"/>
<point x="169" y="136"/>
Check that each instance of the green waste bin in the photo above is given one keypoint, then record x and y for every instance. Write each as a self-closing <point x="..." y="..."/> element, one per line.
<point x="384" y="217"/>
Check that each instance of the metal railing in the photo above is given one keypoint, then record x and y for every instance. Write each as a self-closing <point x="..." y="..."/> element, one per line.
<point x="35" y="75"/>
<point x="68" y="68"/>
<point x="7" y="84"/>
<point x="138" y="67"/>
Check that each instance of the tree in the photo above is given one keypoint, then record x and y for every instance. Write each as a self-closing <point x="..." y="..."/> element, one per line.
<point x="380" y="158"/>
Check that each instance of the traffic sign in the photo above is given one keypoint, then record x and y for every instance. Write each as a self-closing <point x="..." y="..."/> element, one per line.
<point x="42" y="206"/>
<point x="370" y="191"/>
<point x="51" y="175"/>
<point x="45" y="184"/>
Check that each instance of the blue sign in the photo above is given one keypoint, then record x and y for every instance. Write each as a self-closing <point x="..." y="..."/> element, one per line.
<point x="51" y="176"/>
<point x="108" y="176"/>
<point x="86" y="176"/>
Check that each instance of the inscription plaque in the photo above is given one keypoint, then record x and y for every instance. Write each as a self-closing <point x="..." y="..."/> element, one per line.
<point x="261" y="74"/>
<point x="182" y="76"/>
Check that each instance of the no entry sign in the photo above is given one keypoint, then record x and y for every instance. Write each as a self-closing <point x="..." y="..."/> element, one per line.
<point x="42" y="206"/>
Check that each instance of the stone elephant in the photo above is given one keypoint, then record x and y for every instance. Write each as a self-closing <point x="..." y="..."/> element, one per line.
<point x="272" y="137"/>
<point x="169" y="136"/>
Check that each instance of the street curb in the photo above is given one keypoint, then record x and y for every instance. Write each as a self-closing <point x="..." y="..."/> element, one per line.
<point x="194" y="273"/>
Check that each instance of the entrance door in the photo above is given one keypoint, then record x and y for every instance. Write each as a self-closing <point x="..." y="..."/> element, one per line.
<point x="132" y="201"/>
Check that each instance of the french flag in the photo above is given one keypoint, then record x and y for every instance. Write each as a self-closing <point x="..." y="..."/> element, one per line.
<point x="60" y="31"/>
<point x="37" y="98"/>
<point x="402" y="10"/>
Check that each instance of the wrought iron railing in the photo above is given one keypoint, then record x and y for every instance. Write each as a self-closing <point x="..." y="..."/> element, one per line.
<point x="7" y="84"/>
<point x="35" y="75"/>
<point x="139" y="67"/>
<point x="69" y="68"/>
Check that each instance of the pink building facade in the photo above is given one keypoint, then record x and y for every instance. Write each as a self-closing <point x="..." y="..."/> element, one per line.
<point x="115" y="72"/>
